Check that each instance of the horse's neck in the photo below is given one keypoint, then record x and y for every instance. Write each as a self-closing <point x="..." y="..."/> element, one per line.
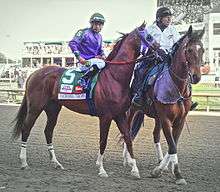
<point x="123" y="73"/>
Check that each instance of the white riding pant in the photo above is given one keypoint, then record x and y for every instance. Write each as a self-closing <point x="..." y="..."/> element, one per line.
<point x="98" y="62"/>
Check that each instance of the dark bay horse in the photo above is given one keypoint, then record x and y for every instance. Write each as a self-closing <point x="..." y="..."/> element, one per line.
<point x="170" y="116"/>
<point x="111" y="98"/>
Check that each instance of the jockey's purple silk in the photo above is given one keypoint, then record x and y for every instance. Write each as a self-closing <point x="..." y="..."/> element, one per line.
<point x="87" y="43"/>
<point x="165" y="89"/>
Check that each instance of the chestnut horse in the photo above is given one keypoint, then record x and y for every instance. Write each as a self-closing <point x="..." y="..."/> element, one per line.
<point x="170" y="116"/>
<point x="111" y="98"/>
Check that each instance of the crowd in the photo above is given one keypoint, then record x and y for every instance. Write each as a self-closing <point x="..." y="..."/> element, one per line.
<point x="52" y="49"/>
<point x="42" y="49"/>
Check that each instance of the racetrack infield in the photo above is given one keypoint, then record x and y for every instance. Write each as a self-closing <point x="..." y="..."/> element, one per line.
<point x="76" y="142"/>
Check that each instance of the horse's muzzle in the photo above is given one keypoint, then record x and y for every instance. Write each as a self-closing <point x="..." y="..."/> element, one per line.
<point x="195" y="78"/>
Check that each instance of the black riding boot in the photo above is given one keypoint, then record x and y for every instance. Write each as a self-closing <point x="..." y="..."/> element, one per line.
<point x="194" y="105"/>
<point x="93" y="70"/>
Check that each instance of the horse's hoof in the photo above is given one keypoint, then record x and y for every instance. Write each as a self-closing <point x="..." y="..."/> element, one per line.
<point x="156" y="173"/>
<point x="25" y="167"/>
<point x="181" y="182"/>
<point x="103" y="174"/>
<point x="135" y="174"/>
<point x="59" y="167"/>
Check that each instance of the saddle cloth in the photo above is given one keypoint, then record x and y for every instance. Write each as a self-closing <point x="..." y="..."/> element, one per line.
<point x="69" y="88"/>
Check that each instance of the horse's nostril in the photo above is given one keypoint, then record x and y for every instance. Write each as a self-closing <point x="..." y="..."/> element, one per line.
<point x="195" y="78"/>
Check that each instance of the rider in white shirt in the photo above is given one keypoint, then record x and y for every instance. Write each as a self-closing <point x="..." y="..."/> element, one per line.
<point x="166" y="35"/>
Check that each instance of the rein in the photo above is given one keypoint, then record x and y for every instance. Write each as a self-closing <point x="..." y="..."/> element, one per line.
<point x="179" y="78"/>
<point x="131" y="61"/>
<point x="185" y="80"/>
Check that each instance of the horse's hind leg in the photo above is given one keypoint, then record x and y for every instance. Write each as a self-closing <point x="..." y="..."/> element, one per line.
<point x="104" y="124"/>
<point x="32" y="115"/>
<point x="123" y="126"/>
<point x="52" y="110"/>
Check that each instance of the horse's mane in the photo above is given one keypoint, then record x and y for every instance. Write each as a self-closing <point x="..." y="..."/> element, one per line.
<point x="116" y="47"/>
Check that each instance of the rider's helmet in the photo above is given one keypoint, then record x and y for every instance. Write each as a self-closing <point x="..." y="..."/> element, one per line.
<point x="97" y="17"/>
<point x="163" y="12"/>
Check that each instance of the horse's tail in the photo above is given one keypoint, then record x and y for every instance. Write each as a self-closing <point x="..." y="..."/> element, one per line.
<point x="136" y="123"/>
<point x="19" y="119"/>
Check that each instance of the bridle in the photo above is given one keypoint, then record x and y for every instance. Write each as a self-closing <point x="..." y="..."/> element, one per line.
<point x="144" y="43"/>
<point x="186" y="62"/>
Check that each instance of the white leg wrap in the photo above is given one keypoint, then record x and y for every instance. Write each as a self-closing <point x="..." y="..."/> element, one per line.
<point x="165" y="162"/>
<point x="159" y="152"/>
<point x="174" y="158"/>
<point x="132" y="163"/>
<point x="23" y="155"/>
<point x="125" y="154"/>
<point x="173" y="161"/>
<point x="53" y="156"/>
<point x="99" y="162"/>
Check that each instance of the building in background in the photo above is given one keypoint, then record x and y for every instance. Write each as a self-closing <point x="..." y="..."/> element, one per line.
<point x="38" y="54"/>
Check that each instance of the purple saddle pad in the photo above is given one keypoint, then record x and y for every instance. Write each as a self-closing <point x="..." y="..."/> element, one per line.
<point x="165" y="89"/>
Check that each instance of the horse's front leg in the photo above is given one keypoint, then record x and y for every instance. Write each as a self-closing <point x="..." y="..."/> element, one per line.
<point x="167" y="129"/>
<point x="122" y="124"/>
<point x="104" y="124"/>
<point x="177" y="129"/>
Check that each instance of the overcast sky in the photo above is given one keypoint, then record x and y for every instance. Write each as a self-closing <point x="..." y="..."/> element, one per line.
<point x="58" y="20"/>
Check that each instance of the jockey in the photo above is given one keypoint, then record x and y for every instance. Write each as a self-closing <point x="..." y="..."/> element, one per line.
<point x="166" y="35"/>
<point x="86" y="45"/>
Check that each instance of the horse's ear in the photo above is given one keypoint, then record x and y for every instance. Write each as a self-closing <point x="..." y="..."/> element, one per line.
<point x="201" y="33"/>
<point x="142" y="27"/>
<point x="189" y="32"/>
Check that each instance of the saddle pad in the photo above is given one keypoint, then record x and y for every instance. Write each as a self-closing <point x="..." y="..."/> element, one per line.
<point x="165" y="89"/>
<point x="69" y="88"/>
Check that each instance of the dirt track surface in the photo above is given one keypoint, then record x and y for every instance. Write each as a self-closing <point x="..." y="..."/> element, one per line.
<point x="76" y="139"/>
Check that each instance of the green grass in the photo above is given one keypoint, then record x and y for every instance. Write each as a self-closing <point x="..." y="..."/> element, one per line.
<point x="213" y="102"/>
<point x="205" y="88"/>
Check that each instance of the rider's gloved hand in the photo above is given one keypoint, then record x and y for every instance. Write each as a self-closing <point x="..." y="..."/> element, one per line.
<point x="161" y="55"/>
<point x="88" y="63"/>
<point x="82" y="60"/>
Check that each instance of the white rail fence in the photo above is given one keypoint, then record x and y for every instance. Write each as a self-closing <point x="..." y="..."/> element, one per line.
<point x="12" y="95"/>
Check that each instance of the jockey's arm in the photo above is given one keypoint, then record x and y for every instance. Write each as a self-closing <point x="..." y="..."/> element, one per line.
<point x="74" y="43"/>
<point x="81" y="60"/>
